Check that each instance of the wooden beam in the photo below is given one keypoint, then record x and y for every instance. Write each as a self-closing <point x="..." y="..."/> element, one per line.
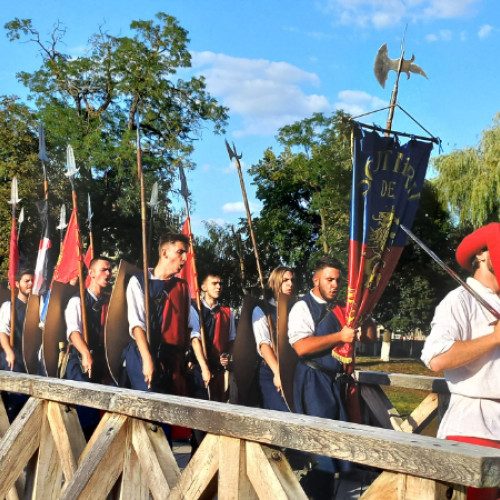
<point x="422" y="415"/>
<point x="421" y="456"/>
<point x="102" y="461"/>
<point x="48" y="475"/>
<point x="403" y="380"/>
<point x="68" y="436"/>
<point x="16" y="492"/>
<point x="155" y="456"/>
<point x="381" y="407"/>
<point x="19" y="443"/>
<point x="271" y="475"/>
<point x="200" y="471"/>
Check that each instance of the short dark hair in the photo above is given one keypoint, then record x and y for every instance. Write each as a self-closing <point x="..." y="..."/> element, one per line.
<point x="21" y="272"/>
<point x="172" y="238"/>
<point x="326" y="261"/>
<point x="99" y="257"/>
<point x="212" y="272"/>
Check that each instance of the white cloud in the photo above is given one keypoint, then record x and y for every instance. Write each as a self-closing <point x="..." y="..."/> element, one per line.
<point x="357" y="102"/>
<point x="239" y="206"/>
<point x="385" y="13"/>
<point x="443" y="36"/>
<point x="266" y="94"/>
<point x="485" y="31"/>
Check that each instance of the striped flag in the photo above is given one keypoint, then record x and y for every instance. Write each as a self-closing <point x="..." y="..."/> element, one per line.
<point x="41" y="279"/>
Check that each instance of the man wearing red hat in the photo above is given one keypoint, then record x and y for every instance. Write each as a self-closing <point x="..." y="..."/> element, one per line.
<point x="465" y="343"/>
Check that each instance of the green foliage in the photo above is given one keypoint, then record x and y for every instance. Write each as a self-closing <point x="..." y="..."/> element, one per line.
<point x="94" y="102"/>
<point x="469" y="180"/>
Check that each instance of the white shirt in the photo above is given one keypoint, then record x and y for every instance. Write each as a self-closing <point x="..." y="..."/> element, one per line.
<point x="5" y="318"/>
<point x="300" y="321"/>
<point x="136" y="311"/>
<point x="73" y="315"/>
<point x="194" y="322"/>
<point x="474" y="408"/>
<point x="260" y="327"/>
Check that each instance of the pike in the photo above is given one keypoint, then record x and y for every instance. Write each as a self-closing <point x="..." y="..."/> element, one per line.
<point x="89" y="225"/>
<point x="14" y="255"/>
<point x="145" y="268"/>
<point x="185" y="194"/>
<point x="62" y="221"/>
<point x="450" y="271"/>
<point x="153" y="204"/>
<point x="20" y="221"/>
<point x="383" y="64"/>
<point x="232" y="154"/>
<point x="72" y="170"/>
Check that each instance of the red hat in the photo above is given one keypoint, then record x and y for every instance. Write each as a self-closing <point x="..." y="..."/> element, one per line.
<point x="485" y="237"/>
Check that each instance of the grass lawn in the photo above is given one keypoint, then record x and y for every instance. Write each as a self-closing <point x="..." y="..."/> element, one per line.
<point x="404" y="400"/>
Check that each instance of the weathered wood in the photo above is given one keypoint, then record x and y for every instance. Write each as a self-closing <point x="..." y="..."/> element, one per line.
<point x="200" y="471"/>
<point x="16" y="492"/>
<point x="68" y="436"/>
<point x="422" y="456"/>
<point x="271" y="475"/>
<point x="422" y="415"/>
<point x="101" y="462"/>
<point x="134" y="482"/>
<point x="156" y="458"/>
<point x="48" y="475"/>
<point x="19" y="443"/>
<point x="381" y="407"/>
<point x="405" y="381"/>
<point x="229" y="468"/>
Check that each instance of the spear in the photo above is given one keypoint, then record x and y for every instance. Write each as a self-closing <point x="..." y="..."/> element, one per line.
<point x="13" y="259"/>
<point x="72" y="170"/>
<point x="185" y="195"/>
<point x="62" y="221"/>
<point x="233" y="154"/>
<point x="145" y="268"/>
<point x="89" y="224"/>
<point x="153" y="204"/>
<point x="44" y="158"/>
<point x="20" y="221"/>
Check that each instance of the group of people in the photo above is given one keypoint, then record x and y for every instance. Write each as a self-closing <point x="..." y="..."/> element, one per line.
<point x="186" y="351"/>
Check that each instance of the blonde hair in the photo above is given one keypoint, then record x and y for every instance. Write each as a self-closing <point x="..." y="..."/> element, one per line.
<point x="276" y="279"/>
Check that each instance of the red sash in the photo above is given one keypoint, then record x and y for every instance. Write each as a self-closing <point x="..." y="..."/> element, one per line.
<point x="221" y="333"/>
<point x="175" y="322"/>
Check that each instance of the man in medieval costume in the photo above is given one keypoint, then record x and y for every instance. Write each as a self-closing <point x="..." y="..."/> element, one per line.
<point x="465" y="343"/>
<point x="160" y="364"/>
<point x="12" y="357"/>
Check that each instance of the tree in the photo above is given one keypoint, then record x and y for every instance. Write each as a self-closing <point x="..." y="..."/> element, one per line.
<point x="469" y="180"/>
<point x="95" y="101"/>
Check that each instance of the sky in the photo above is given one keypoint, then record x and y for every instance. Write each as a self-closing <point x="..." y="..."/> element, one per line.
<point x="275" y="62"/>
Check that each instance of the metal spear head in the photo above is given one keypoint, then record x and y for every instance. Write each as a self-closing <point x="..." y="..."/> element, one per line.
<point x="232" y="152"/>
<point x="20" y="219"/>
<point x="41" y="144"/>
<point x="89" y="213"/>
<point x="70" y="162"/>
<point x="153" y="202"/>
<point x="184" y="186"/>
<point x="14" y="198"/>
<point x="62" y="218"/>
<point x="383" y="64"/>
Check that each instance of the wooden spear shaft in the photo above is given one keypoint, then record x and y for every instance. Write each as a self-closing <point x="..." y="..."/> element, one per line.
<point x="13" y="295"/>
<point x="394" y="95"/>
<point x="144" y="234"/>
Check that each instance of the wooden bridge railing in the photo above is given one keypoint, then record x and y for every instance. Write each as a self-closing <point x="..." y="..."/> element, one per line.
<point x="129" y="457"/>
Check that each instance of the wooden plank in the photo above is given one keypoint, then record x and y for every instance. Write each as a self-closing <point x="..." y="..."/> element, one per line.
<point x="200" y="471"/>
<point x="102" y="462"/>
<point x="16" y="492"/>
<point x="423" y="456"/>
<point x="48" y="475"/>
<point x="68" y="436"/>
<point x="133" y="482"/>
<point x="19" y="443"/>
<point x="229" y="468"/>
<point x="157" y="460"/>
<point x="422" y="415"/>
<point x="271" y="475"/>
<point x="403" y="380"/>
<point x="381" y="407"/>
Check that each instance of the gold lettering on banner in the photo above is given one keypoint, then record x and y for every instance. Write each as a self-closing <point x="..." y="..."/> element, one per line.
<point x="387" y="189"/>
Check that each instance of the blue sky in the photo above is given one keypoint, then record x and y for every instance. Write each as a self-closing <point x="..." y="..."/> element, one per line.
<point x="273" y="62"/>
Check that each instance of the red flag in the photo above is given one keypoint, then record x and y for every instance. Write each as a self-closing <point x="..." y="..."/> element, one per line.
<point x="71" y="253"/>
<point x="87" y="259"/>
<point x="13" y="255"/>
<point x="187" y="272"/>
